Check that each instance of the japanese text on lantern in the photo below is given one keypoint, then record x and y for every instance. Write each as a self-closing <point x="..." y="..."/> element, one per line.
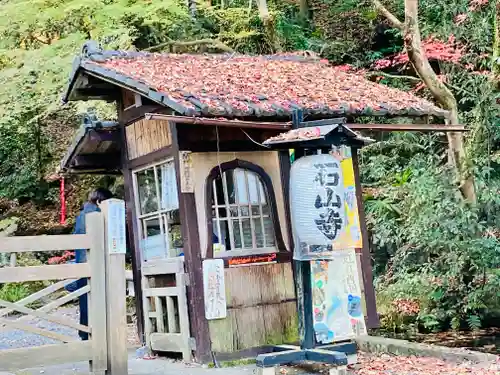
<point x="328" y="200"/>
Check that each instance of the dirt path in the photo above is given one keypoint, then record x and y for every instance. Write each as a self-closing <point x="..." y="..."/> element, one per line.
<point x="368" y="364"/>
<point x="14" y="339"/>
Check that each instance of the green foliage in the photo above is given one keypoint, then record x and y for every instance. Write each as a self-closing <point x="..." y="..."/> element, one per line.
<point x="14" y="292"/>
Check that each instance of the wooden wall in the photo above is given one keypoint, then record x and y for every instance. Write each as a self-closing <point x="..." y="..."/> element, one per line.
<point x="146" y="136"/>
<point x="261" y="309"/>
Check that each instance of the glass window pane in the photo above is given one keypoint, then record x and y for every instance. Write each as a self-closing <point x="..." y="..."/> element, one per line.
<point x="173" y="229"/>
<point x="231" y="188"/>
<point x="253" y="182"/>
<point x="263" y="198"/>
<point x="153" y="243"/>
<point x="269" y="229"/>
<point x="245" y="211"/>
<point x="234" y="211"/>
<point x="168" y="186"/>
<point x="237" y="235"/>
<point x="259" y="236"/>
<point x="148" y="200"/>
<point x="247" y="234"/>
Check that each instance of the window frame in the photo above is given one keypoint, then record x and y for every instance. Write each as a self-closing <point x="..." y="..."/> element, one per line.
<point x="140" y="218"/>
<point x="267" y="185"/>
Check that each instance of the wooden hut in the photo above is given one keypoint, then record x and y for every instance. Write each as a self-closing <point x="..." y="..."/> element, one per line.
<point x="200" y="184"/>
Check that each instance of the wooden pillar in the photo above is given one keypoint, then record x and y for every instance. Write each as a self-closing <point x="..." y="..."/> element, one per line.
<point x="132" y="241"/>
<point x="97" y="297"/>
<point x="116" y="308"/>
<point x="192" y="258"/>
<point x="372" y="320"/>
<point x="285" y="165"/>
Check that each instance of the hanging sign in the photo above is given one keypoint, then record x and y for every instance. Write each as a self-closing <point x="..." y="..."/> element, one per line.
<point x="186" y="172"/>
<point x="215" y="289"/>
<point x="336" y="299"/>
<point x="115" y="226"/>
<point x="323" y="205"/>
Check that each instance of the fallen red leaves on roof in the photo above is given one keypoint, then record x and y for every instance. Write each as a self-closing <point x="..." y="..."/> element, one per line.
<point x="297" y="134"/>
<point x="239" y="86"/>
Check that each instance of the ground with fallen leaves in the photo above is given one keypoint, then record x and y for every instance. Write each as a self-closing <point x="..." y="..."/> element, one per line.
<point x="397" y="365"/>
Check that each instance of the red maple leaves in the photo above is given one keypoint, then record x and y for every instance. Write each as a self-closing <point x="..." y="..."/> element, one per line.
<point x="62" y="259"/>
<point x="406" y="307"/>
<point x="474" y="5"/>
<point x="435" y="49"/>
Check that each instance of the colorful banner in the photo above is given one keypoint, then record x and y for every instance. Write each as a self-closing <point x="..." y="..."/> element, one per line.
<point x="351" y="236"/>
<point x="336" y="299"/>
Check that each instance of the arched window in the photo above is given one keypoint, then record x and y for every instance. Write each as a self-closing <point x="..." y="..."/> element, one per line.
<point x="241" y="209"/>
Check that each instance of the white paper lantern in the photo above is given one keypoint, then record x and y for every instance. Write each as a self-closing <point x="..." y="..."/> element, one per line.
<point x="317" y="205"/>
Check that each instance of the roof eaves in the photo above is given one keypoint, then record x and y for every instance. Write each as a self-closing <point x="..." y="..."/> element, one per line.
<point x="75" y="71"/>
<point x="88" y="62"/>
<point x="87" y="125"/>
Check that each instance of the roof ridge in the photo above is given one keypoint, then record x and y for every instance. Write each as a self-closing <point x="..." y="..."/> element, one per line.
<point x="92" y="50"/>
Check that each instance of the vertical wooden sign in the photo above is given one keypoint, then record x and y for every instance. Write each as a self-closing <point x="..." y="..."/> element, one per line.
<point x="186" y="172"/>
<point x="214" y="289"/>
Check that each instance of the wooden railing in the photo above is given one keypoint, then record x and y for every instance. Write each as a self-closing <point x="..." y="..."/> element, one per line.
<point x="165" y="307"/>
<point x="95" y="349"/>
<point x="106" y="348"/>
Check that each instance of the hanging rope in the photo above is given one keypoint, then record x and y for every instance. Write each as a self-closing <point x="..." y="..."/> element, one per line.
<point x="62" y="198"/>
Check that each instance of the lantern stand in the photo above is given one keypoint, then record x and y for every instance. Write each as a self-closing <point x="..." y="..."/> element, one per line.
<point x="325" y="134"/>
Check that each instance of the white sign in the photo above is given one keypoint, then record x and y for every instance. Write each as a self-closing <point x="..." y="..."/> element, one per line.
<point x="317" y="205"/>
<point x="215" y="289"/>
<point x="115" y="226"/>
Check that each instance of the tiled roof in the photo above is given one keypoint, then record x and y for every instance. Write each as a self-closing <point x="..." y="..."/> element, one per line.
<point x="251" y="86"/>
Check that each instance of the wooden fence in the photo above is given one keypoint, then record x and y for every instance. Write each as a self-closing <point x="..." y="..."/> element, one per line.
<point x="165" y="307"/>
<point x="104" y="349"/>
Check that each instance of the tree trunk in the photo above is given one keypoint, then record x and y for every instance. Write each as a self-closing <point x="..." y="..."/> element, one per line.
<point x="496" y="47"/>
<point x="263" y="11"/>
<point x="441" y="93"/>
<point x="304" y="10"/>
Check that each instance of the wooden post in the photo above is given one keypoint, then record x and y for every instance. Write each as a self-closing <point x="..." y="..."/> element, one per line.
<point x="372" y="320"/>
<point x="133" y="241"/>
<point x="114" y="224"/>
<point x="192" y="258"/>
<point x="97" y="298"/>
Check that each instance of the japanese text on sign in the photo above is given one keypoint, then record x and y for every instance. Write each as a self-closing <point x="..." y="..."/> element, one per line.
<point x="215" y="289"/>
<point x="115" y="225"/>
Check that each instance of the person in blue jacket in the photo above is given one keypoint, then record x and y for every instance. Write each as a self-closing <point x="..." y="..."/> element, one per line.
<point x="92" y="205"/>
